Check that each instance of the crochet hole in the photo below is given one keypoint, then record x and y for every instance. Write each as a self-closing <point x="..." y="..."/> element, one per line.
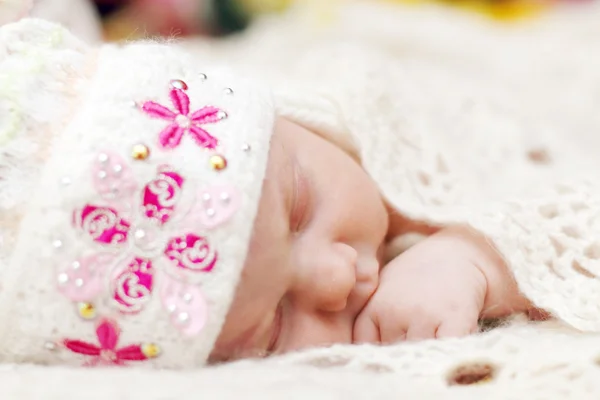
<point x="424" y="178"/>
<point x="378" y="368"/>
<point x="571" y="231"/>
<point x="471" y="374"/>
<point x="539" y="156"/>
<point x="328" y="362"/>
<point x="577" y="267"/>
<point x="593" y="251"/>
<point x="579" y="206"/>
<point x="548" y="211"/>
<point x="441" y="165"/>
<point x="559" y="248"/>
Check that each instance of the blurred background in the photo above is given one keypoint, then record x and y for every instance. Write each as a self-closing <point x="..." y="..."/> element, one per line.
<point x="131" y="19"/>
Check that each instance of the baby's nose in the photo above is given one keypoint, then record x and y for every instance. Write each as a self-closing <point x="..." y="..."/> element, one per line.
<point x="331" y="278"/>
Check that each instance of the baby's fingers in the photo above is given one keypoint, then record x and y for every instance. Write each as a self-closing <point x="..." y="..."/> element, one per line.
<point x="458" y="327"/>
<point x="422" y="329"/>
<point x="366" y="329"/>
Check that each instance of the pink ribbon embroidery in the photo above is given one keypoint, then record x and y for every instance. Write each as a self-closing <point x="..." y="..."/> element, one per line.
<point x="182" y="121"/>
<point x="106" y="352"/>
<point x="136" y="247"/>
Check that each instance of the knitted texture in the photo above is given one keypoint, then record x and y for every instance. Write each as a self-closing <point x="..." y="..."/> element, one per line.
<point x="136" y="201"/>
<point x="461" y="122"/>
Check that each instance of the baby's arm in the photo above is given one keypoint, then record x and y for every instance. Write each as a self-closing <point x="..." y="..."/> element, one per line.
<point x="440" y="288"/>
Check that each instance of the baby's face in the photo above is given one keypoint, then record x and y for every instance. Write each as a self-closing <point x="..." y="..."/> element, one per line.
<point x="313" y="261"/>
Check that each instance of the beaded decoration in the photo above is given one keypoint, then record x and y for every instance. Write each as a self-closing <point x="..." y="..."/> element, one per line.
<point x="144" y="238"/>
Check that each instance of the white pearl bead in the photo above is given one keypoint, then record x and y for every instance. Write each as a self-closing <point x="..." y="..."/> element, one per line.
<point x="183" y="317"/>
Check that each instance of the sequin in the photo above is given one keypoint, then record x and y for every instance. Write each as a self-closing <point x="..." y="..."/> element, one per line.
<point x="57" y="244"/>
<point x="140" y="152"/>
<point x="246" y="147"/>
<point x="202" y="77"/>
<point x="63" y="278"/>
<point x="183" y="317"/>
<point x="86" y="310"/>
<point x="151" y="350"/>
<point x="178" y="84"/>
<point x="228" y="91"/>
<point x="103" y="157"/>
<point x="51" y="346"/>
<point x="218" y="162"/>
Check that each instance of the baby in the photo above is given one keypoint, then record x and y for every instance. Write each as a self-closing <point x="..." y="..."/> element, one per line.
<point x="159" y="210"/>
<point x="315" y="273"/>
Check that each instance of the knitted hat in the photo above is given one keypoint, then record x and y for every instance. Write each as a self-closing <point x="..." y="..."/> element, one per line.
<point x="130" y="178"/>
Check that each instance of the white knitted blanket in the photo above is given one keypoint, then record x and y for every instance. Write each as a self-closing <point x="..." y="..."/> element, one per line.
<point x="520" y="361"/>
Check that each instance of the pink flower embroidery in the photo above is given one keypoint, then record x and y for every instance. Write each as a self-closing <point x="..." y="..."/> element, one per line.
<point x="182" y="121"/>
<point x="139" y="243"/>
<point x="106" y="352"/>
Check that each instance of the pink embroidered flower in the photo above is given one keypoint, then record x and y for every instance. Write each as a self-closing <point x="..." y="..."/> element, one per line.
<point x="136" y="244"/>
<point x="106" y="352"/>
<point x="182" y="121"/>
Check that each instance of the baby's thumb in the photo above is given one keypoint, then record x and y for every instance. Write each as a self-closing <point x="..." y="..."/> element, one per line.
<point x="366" y="328"/>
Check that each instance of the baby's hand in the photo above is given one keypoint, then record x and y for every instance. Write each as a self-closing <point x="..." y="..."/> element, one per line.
<point x="438" y="288"/>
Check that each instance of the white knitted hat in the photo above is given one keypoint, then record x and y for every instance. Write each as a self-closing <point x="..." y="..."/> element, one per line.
<point x="130" y="177"/>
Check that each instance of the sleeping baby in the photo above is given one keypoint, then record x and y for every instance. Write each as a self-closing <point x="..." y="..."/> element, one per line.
<point x="159" y="209"/>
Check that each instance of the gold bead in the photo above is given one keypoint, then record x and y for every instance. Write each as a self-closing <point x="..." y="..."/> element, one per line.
<point x="86" y="310"/>
<point x="140" y="152"/>
<point x="151" y="350"/>
<point x="218" y="162"/>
